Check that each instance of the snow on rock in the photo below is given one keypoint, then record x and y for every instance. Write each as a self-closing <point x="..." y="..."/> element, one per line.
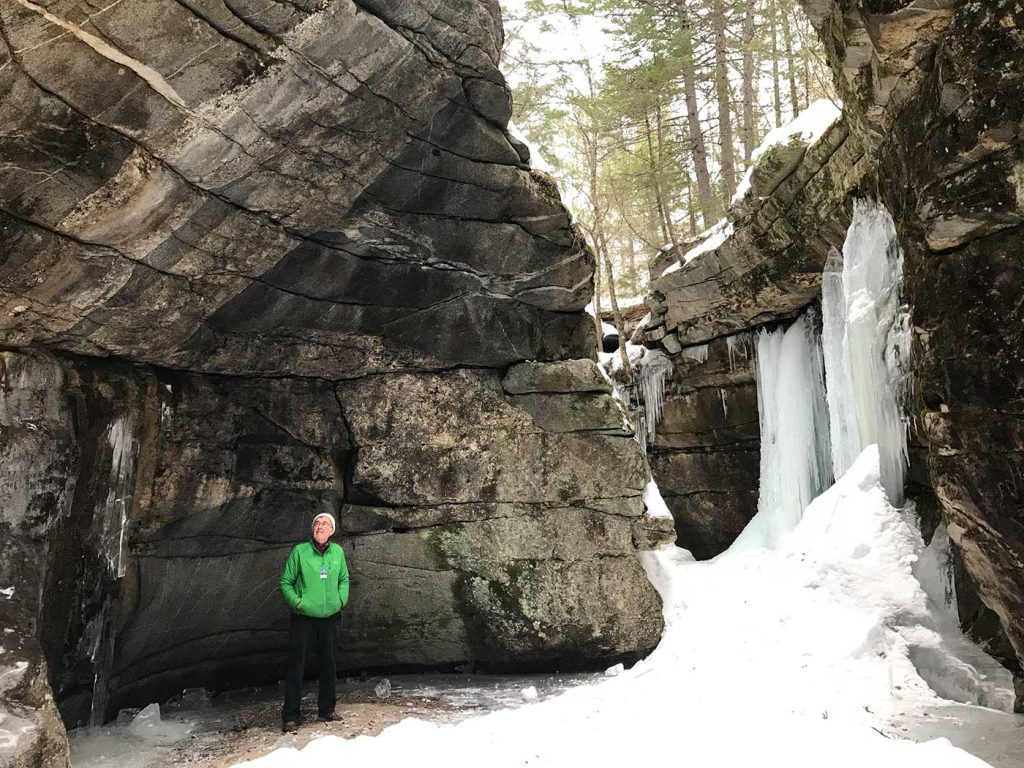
<point x="711" y="239"/>
<point x="805" y="651"/>
<point x="7" y="592"/>
<point x="809" y="126"/>
<point x="536" y="158"/>
<point x="654" y="503"/>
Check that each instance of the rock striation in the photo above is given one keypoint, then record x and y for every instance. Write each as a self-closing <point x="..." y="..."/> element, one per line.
<point x="264" y="260"/>
<point x="706" y="452"/>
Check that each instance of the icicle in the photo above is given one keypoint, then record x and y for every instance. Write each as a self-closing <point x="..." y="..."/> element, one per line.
<point x="101" y="652"/>
<point x="795" y="455"/>
<point x="867" y="339"/>
<point x="651" y="372"/>
<point x="166" y="411"/>
<point x="736" y="345"/>
<point x="698" y="353"/>
<point x="725" y="405"/>
<point x="113" y="515"/>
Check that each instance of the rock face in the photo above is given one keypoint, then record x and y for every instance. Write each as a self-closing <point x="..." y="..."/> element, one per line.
<point x="761" y="265"/>
<point x="706" y="452"/>
<point x="763" y="261"/>
<point x="331" y="179"/>
<point x="936" y="88"/>
<point x="33" y="734"/>
<point x="932" y="95"/>
<point x="285" y="259"/>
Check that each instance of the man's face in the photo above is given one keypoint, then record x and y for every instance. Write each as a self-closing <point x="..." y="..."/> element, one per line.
<point x="322" y="530"/>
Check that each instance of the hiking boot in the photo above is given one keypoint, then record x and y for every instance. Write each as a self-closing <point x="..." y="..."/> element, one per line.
<point x="290" y="726"/>
<point x="330" y="717"/>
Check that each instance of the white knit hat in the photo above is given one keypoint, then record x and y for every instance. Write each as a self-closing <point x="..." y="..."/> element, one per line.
<point x="329" y="516"/>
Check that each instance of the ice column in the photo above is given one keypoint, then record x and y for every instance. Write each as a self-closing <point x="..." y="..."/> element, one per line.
<point x="795" y="455"/>
<point x="651" y="372"/>
<point x="867" y="338"/>
<point x="111" y="521"/>
<point x="113" y="515"/>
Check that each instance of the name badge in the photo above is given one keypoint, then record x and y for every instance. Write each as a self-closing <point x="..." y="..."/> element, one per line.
<point x="323" y="572"/>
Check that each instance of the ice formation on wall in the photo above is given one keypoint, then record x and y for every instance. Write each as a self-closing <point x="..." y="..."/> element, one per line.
<point x="795" y="456"/>
<point x="740" y="345"/>
<point x="651" y="371"/>
<point x="644" y="396"/>
<point x="867" y="338"/>
<point x="112" y="517"/>
<point x="698" y="353"/>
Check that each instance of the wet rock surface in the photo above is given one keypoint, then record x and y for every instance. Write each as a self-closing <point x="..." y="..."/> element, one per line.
<point x="31" y="731"/>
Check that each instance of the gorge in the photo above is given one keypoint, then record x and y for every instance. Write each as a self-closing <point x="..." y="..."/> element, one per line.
<point x="260" y="260"/>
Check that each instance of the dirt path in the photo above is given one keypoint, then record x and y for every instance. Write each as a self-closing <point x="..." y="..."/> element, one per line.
<point x="249" y="730"/>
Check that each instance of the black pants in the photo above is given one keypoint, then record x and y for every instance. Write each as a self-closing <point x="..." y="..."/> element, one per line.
<point x="303" y="632"/>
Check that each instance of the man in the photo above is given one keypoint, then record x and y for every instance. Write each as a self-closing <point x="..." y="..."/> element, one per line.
<point x="315" y="586"/>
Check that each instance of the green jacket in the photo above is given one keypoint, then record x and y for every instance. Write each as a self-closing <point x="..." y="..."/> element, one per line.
<point x="302" y="586"/>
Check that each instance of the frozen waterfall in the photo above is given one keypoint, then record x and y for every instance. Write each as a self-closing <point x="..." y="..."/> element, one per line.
<point x="867" y="338"/>
<point x="811" y="433"/>
<point x="795" y="457"/>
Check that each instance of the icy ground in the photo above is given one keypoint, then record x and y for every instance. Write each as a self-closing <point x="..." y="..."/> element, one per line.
<point x="207" y="732"/>
<point x="819" y="652"/>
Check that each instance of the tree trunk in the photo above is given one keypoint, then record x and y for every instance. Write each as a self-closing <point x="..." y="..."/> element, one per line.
<point x="661" y="186"/>
<point x="597" y="302"/>
<point x="602" y="246"/>
<point x="708" y="204"/>
<point x="773" y="9"/>
<point x="691" y="209"/>
<point x="787" y="38"/>
<point x="748" y="84"/>
<point x="637" y="281"/>
<point x="728" y="175"/>
<point x="655" y="166"/>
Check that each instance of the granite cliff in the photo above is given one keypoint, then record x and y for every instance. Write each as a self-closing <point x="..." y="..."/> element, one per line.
<point x="260" y="260"/>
